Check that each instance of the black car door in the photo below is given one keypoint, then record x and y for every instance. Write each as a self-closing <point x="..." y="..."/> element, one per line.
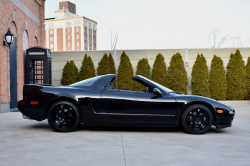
<point x="139" y="107"/>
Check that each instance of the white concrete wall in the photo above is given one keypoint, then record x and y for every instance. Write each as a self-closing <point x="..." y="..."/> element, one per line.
<point x="59" y="59"/>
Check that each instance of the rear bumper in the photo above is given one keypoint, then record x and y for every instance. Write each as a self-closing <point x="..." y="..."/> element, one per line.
<point x="31" y="111"/>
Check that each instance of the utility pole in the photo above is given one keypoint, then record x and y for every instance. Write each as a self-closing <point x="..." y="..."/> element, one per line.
<point x="113" y="45"/>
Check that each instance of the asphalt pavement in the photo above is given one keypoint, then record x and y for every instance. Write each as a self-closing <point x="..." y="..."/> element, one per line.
<point x="28" y="142"/>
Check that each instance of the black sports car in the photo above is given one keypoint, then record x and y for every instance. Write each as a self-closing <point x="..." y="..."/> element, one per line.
<point x="95" y="102"/>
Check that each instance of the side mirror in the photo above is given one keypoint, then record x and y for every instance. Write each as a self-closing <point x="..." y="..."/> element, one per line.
<point x="157" y="92"/>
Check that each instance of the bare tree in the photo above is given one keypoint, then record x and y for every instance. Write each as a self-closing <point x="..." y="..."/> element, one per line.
<point x="240" y="42"/>
<point x="216" y="39"/>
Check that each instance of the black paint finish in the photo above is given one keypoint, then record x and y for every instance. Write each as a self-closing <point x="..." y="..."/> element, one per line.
<point x="100" y="104"/>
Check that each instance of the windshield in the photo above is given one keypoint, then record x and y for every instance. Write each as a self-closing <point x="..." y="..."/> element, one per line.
<point x="158" y="85"/>
<point x="87" y="82"/>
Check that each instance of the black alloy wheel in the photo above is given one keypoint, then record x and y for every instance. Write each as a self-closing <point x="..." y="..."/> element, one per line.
<point x="63" y="116"/>
<point x="196" y="119"/>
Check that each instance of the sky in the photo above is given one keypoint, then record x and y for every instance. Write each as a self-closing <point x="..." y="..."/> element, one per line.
<point x="165" y="24"/>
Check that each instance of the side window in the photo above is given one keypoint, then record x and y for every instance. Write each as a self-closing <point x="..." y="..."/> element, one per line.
<point x="142" y="88"/>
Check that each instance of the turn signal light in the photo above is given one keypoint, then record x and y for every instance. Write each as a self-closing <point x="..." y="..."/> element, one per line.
<point x="219" y="111"/>
<point x="34" y="102"/>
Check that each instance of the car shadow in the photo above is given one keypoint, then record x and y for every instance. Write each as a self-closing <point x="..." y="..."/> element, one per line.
<point x="214" y="130"/>
<point x="130" y="129"/>
<point x="45" y="126"/>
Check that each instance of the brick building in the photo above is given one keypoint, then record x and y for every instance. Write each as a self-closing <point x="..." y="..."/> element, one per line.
<point x="25" y="18"/>
<point x="70" y="32"/>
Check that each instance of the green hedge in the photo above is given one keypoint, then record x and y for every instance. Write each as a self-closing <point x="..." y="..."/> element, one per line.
<point x="177" y="74"/>
<point x="142" y="69"/>
<point x="159" y="71"/>
<point x="236" y="77"/>
<point x="218" y="82"/>
<point x="87" y="68"/>
<point x="200" y="77"/>
<point x="234" y="84"/>
<point x="248" y="79"/>
<point x="70" y="73"/>
<point x="125" y="73"/>
<point x="111" y="64"/>
<point x="103" y="65"/>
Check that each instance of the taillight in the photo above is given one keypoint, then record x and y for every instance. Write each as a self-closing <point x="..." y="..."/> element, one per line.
<point x="34" y="102"/>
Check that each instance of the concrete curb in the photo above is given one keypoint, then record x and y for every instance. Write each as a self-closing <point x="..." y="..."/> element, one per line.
<point x="235" y="101"/>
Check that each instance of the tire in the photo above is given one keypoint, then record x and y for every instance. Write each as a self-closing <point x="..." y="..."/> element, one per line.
<point x="196" y="119"/>
<point x="64" y="116"/>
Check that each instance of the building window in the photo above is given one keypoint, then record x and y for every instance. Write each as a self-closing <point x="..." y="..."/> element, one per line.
<point x="85" y="37"/>
<point x="68" y="29"/>
<point x="51" y="45"/>
<point x="94" y="39"/>
<point x="94" y="33"/>
<point x="25" y="41"/>
<point x="51" y="25"/>
<point x="93" y="26"/>
<point x="68" y="44"/>
<point x="77" y="29"/>
<point x="77" y="36"/>
<point x="51" y="31"/>
<point x="68" y="37"/>
<point x="94" y="46"/>
<point x="77" y="43"/>
<point x="90" y="25"/>
<point x="68" y="23"/>
<point x="85" y="44"/>
<point x="85" y="23"/>
<point x="77" y="22"/>
<point x="90" y="45"/>
<point x="90" y="31"/>
<point x="85" y="29"/>
<point x="51" y="38"/>
<point x="90" y="38"/>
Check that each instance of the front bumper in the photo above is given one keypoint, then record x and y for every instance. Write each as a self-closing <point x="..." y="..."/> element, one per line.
<point x="226" y="119"/>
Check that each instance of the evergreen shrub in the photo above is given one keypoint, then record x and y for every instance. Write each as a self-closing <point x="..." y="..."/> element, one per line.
<point x="200" y="77"/>
<point x="236" y="77"/>
<point x="159" y="71"/>
<point x="125" y="73"/>
<point x="218" y="82"/>
<point x="142" y="69"/>
<point x="87" y="68"/>
<point x="70" y="73"/>
<point x="104" y="65"/>
<point x="248" y="79"/>
<point x="112" y="69"/>
<point x="177" y="74"/>
<point x="111" y="64"/>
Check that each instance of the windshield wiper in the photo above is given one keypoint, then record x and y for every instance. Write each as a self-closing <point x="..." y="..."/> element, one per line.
<point x="176" y="92"/>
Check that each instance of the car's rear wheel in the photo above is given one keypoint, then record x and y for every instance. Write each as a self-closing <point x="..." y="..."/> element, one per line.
<point x="63" y="116"/>
<point x="196" y="119"/>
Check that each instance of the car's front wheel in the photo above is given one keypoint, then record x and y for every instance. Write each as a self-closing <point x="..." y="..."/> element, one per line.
<point x="63" y="116"/>
<point x="196" y="119"/>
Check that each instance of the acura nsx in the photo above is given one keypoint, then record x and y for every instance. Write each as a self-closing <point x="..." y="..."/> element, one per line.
<point x="94" y="102"/>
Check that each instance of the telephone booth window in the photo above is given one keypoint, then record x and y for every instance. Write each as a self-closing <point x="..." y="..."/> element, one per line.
<point x="36" y="71"/>
<point x="38" y="66"/>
